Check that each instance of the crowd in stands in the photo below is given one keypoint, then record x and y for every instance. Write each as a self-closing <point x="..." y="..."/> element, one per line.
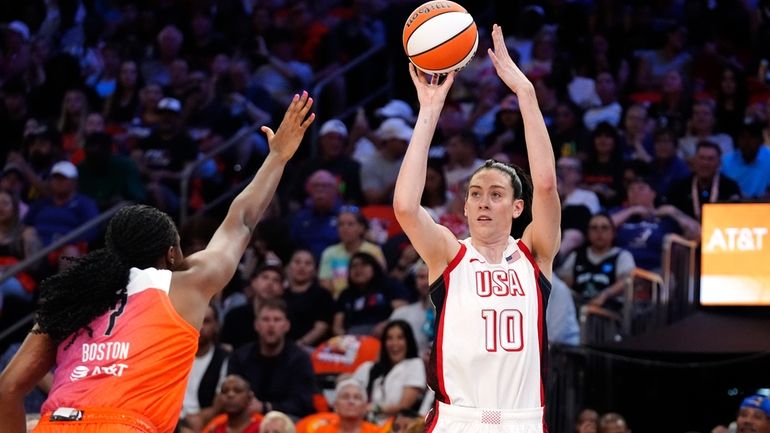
<point x="654" y="109"/>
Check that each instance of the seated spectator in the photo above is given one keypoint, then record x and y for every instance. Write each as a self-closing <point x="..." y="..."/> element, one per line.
<point x="72" y="119"/>
<point x="637" y="139"/>
<point x="507" y="135"/>
<point x="462" y="160"/>
<point x="378" y="174"/>
<point x="587" y="421"/>
<point x="613" y="423"/>
<point x="561" y="318"/>
<point x="65" y="210"/>
<point x="407" y="421"/>
<point x="265" y="284"/>
<point x="642" y="227"/>
<point x="667" y="168"/>
<point x="280" y="373"/>
<point x="568" y="135"/>
<point x="314" y="226"/>
<point x="42" y="150"/>
<point x="207" y="374"/>
<point x="603" y="169"/>
<point x="163" y="156"/>
<point x="397" y="380"/>
<point x="753" y="416"/>
<point x="436" y="195"/>
<point x="170" y="40"/>
<point x="749" y="164"/>
<point x="597" y="271"/>
<point x="365" y="305"/>
<point x="123" y="105"/>
<point x="351" y="227"/>
<point x="420" y="314"/>
<point x="311" y="307"/>
<point x="350" y="403"/>
<point x="609" y="109"/>
<point x="702" y="126"/>
<point x="234" y="401"/>
<point x="705" y="185"/>
<point x="17" y="242"/>
<point x="276" y="422"/>
<point x="282" y="75"/>
<point x="108" y="179"/>
<point x="12" y="180"/>
<point x="569" y="172"/>
<point x="332" y="144"/>
<point x="672" y="56"/>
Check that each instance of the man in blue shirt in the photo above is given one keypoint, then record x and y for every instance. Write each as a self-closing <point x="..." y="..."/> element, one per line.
<point x="749" y="164"/>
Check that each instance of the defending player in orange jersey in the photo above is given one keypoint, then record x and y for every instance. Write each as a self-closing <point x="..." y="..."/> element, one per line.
<point x="121" y="324"/>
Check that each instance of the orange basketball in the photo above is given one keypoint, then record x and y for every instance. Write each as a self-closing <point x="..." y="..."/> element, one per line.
<point x="440" y="36"/>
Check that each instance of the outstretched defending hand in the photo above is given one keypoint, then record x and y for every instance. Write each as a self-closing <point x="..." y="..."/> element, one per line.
<point x="504" y="65"/>
<point x="285" y="141"/>
<point x="430" y="94"/>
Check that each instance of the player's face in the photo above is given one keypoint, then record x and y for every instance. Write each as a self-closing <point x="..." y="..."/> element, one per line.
<point x="490" y="206"/>
<point x="395" y="344"/>
<point x="752" y="420"/>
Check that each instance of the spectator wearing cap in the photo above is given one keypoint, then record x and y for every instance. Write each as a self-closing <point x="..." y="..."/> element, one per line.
<point x="107" y="178"/>
<point x="462" y="159"/>
<point x="332" y="157"/>
<point x="705" y="185"/>
<point x="642" y="227"/>
<point x="17" y="57"/>
<point x="753" y="416"/>
<point x="749" y="164"/>
<point x="364" y="139"/>
<point x="65" y="210"/>
<point x="351" y="227"/>
<point x="42" y="149"/>
<point x="378" y="174"/>
<point x="163" y="156"/>
<point x="280" y="372"/>
<point x="314" y="226"/>
<point x="265" y="284"/>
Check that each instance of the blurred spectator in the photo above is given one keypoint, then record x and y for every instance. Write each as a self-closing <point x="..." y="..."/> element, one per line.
<point x="107" y="178"/>
<point x="561" y="318"/>
<point x="266" y="284"/>
<point x="276" y="422"/>
<point x="363" y="138"/>
<point x="672" y="56"/>
<point x="587" y="421"/>
<point x="675" y="103"/>
<point x="705" y="185"/>
<point x="158" y="70"/>
<point x="280" y="373"/>
<point x="596" y="272"/>
<point x="283" y="74"/>
<point x="603" y="169"/>
<point x="163" y="156"/>
<point x="204" y="42"/>
<point x="104" y="81"/>
<point x="332" y="144"/>
<point x="569" y="172"/>
<point x="208" y="371"/>
<point x="609" y="109"/>
<point x="407" y="421"/>
<point x="351" y="227"/>
<point x="350" y="403"/>
<point x="365" y="305"/>
<point x="613" y="423"/>
<point x="42" y="150"/>
<point x="732" y="99"/>
<point x="568" y="135"/>
<point x="65" y="210"/>
<point x="378" y="174"/>
<point x="642" y="227"/>
<point x="17" y="242"/>
<point x="16" y="57"/>
<point x="235" y="402"/>
<point x="508" y="133"/>
<point x="397" y="380"/>
<point x="462" y="159"/>
<point x="311" y="307"/>
<point x="13" y="116"/>
<point x="749" y="164"/>
<point x="753" y="416"/>
<point x="72" y="119"/>
<point x="636" y="134"/>
<point x="421" y="314"/>
<point x="314" y="226"/>
<point x="436" y="195"/>
<point x="666" y="167"/>
<point x="701" y="127"/>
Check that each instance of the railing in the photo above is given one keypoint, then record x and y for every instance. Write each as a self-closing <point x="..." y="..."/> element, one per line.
<point x="599" y="325"/>
<point x="43" y="253"/>
<point x="679" y="270"/>
<point x="375" y="92"/>
<point x="191" y="169"/>
<point x="642" y="307"/>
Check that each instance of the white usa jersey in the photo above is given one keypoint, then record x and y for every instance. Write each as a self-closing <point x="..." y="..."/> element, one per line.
<point x="491" y="348"/>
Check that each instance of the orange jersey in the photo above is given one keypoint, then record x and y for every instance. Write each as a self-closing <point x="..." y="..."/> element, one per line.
<point x="334" y="427"/>
<point x="138" y="359"/>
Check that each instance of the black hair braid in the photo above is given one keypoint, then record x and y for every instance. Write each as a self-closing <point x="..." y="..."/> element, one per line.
<point x="137" y="236"/>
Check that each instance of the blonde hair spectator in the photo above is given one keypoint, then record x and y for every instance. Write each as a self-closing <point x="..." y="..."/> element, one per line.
<point x="276" y="422"/>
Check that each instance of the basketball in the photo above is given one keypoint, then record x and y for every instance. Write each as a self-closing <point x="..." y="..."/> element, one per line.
<point x="440" y="37"/>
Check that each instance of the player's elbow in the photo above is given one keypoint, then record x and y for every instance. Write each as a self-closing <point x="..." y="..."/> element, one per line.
<point x="404" y="207"/>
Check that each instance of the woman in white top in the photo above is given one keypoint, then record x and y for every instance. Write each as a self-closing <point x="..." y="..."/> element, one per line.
<point x="397" y="380"/>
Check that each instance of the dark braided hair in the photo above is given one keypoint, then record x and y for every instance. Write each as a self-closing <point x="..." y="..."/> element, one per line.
<point x="522" y="189"/>
<point x="137" y="236"/>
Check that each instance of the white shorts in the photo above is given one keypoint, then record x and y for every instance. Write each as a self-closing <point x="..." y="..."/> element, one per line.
<point x="458" y="419"/>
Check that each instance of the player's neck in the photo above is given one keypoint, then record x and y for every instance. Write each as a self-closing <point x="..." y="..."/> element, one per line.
<point x="492" y="250"/>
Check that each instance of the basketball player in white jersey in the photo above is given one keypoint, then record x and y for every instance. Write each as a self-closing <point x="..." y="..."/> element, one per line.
<point x="490" y="290"/>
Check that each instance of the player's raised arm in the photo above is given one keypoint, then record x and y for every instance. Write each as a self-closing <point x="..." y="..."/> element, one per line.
<point x="209" y="270"/>
<point x="435" y="243"/>
<point x="542" y="235"/>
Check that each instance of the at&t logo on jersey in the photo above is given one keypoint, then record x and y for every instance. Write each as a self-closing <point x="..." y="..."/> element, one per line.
<point x="81" y="371"/>
<point x="498" y="282"/>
